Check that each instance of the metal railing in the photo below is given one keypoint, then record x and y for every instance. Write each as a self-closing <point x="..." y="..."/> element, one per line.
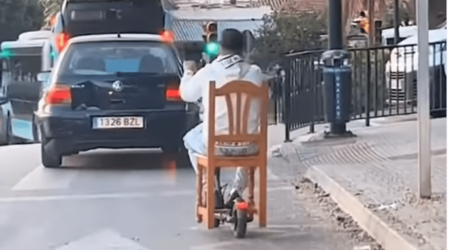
<point x="384" y="83"/>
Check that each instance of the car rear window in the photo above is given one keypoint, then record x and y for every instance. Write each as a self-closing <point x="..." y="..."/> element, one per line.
<point x="106" y="58"/>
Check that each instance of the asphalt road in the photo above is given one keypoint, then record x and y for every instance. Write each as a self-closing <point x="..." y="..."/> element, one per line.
<point x="133" y="200"/>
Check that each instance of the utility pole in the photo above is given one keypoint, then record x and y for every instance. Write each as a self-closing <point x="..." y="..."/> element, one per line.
<point x="423" y="100"/>
<point x="397" y="21"/>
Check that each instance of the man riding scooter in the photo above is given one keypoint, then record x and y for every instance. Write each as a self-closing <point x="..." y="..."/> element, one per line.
<point x="228" y="66"/>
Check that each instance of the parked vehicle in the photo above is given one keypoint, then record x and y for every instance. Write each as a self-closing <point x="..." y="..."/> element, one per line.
<point x="401" y="71"/>
<point x="388" y="35"/>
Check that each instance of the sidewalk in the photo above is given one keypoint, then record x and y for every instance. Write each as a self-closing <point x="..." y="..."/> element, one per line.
<point x="374" y="178"/>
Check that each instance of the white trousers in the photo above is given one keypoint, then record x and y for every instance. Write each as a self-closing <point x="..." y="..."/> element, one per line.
<point x="194" y="142"/>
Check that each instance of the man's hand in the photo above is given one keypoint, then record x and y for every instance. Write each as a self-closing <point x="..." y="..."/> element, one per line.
<point x="190" y="65"/>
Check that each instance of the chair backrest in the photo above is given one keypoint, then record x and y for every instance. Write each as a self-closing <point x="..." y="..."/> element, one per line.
<point x="238" y="96"/>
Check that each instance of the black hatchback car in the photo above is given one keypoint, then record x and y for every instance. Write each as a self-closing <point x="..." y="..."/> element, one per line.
<point x="113" y="91"/>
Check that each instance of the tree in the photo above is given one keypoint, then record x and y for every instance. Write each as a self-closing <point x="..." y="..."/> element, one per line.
<point x="51" y="7"/>
<point x="389" y="16"/>
<point x="17" y="17"/>
<point x="283" y="33"/>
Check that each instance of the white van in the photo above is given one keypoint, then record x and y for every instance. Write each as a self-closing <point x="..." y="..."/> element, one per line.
<point x="388" y="35"/>
<point x="401" y="70"/>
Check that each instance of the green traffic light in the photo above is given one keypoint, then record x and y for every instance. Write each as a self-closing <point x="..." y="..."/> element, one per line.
<point x="212" y="48"/>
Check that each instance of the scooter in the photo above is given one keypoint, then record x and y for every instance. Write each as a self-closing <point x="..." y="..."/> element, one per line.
<point x="236" y="211"/>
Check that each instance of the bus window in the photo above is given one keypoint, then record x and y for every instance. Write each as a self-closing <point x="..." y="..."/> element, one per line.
<point x="4" y="77"/>
<point x="26" y="68"/>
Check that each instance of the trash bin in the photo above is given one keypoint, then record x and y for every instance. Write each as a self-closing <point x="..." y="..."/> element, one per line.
<point x="337" y="86"/>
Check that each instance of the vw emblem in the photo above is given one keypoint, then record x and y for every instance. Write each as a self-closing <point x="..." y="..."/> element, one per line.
<point x="117" y="86"/>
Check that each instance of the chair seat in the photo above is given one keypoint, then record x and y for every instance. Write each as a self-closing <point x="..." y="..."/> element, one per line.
<point x="230" y="161"/>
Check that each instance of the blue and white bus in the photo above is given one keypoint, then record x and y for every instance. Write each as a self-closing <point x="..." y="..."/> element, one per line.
<point x="22" y="61"/>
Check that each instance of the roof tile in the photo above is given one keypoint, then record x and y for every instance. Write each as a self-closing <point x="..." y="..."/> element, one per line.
<point x="295" y="5"/>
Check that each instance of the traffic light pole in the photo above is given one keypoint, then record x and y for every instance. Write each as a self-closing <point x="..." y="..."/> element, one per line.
<point x="335" y="38"/>
<point x="210" y="38"/>
<point x="335" y="42"/>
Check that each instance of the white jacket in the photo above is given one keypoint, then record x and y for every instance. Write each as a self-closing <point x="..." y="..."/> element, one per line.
<point x="222" y="70"/>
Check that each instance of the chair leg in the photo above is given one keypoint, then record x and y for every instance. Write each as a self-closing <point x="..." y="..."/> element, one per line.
<point x="262" y="208"/>
<point x="210" y="193"/>
<point x="199" y="192"/>
<point x="251" y="186"/>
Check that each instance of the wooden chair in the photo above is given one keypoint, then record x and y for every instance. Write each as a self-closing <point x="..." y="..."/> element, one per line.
<point x="243" y="93"/>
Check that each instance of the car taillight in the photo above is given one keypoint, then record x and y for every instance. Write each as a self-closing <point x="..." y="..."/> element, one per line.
<point x="173" y="93"/>
<point x="61" y="41"/>
<point x="167" y="36"/>
<point x="58" y="95"/>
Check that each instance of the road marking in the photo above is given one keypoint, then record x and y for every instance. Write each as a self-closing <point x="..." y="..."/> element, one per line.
<point x="44" y="179"/>
<point x="95" y="196"/>
<point x="103" y="240"/>
<point x="173" y="193"/>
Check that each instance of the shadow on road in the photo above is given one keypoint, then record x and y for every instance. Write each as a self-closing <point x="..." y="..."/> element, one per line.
<point x="126" y="160"/>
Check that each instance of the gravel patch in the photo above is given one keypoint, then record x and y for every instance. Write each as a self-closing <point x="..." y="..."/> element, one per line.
<point x="314" y="197"/>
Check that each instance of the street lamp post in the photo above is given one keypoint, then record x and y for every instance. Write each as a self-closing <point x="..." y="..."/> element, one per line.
<point x="335" y="38"/>
<point x="336" y="75"/>
<point x="423" y="100"/>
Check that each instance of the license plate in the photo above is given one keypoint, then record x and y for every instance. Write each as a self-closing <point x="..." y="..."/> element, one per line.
<point x="117" y="122"/>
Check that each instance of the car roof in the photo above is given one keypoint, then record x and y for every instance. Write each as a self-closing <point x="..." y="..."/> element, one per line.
<point x="115" y="37"/>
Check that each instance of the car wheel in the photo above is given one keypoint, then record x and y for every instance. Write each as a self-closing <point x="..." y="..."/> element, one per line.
<point x="50" y="159"/>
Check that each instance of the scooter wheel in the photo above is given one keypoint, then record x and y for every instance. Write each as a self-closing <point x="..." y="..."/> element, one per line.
<point x="240" y="224"/>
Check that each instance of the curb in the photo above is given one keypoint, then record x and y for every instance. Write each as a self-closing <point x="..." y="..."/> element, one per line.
<point x="366" y="219"/>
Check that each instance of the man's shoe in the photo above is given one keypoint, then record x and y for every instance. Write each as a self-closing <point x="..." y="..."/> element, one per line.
<point x="233" y="196"/>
